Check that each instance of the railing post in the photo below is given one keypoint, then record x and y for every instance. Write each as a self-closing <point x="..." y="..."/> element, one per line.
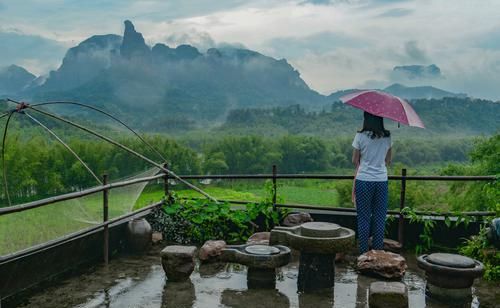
<point x="166" y="188"/>
<point x="401" y="207"/>
<point x="105" y="200"/>
<point x="274" y="187"/>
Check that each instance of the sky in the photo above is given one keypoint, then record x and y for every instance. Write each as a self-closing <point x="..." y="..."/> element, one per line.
<point x="334" y="44"/>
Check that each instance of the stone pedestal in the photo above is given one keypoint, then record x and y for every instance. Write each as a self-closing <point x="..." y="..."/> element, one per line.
<point x="451" y="296"/>
<point x="316" y="271"/>
<point x="178" y="262"/>
<point x="261" y="278"/>
<point x="318" y="243"/>
<point x="388" y="294"/>
<point x="178" y="294"/>
<point x="450" y="276"/>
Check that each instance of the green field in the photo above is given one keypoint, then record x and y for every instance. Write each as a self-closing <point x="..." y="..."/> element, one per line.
<point x="25" y="229"/>
<point x="28" y="228"/>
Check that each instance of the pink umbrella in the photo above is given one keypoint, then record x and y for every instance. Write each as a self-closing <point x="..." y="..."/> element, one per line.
<point x="384" y="105"/>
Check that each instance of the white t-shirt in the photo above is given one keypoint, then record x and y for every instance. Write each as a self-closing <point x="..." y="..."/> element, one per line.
<point x="373" y="152"/>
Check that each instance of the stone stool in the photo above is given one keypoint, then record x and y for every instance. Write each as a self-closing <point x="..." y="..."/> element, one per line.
<point x="261" y="260"/>
<point x="384" y="294"/>
<point x="450" y="276"/>
<point x="178" y="262"/>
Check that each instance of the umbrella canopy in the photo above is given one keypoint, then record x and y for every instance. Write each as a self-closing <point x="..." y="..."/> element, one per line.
<point x="384" y="105"/>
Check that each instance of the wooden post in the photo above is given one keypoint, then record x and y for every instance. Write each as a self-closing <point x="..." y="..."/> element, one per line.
<point x="275" y="190"/>
<point x="105" y="200"/>
<point x="401" y="207"/>
<point x="166" y="188"/>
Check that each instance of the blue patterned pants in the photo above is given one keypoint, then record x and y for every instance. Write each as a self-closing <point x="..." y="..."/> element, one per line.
<point x="371" y="205"/>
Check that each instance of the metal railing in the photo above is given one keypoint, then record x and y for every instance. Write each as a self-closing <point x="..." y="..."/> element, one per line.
<point x="105" y="188"/>
<point x="403" y="178"/>
<point x="274" y="176"/>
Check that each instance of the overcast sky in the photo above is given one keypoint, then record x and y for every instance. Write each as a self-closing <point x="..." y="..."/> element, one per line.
<point x="334" y="44"/>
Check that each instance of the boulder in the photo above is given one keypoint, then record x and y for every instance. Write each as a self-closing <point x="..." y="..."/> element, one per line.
<point x="392" y="245"/>
<point x="178" y="262"/>
<point x="384" y="294"/>
<point x="261" y="238"/>
<point x="211" y="249"/>
<point x="389" y="245"/>
<point x="382" y="263"/>
<point x="292" y="220"/>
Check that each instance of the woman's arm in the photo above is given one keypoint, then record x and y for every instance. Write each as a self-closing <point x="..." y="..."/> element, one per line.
<point x="355" y="157"/>
<point x="388" y="157"/>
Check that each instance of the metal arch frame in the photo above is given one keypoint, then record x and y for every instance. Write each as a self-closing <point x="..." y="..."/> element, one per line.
<point x="100" y="136"/>
<point x="66" y="146"/>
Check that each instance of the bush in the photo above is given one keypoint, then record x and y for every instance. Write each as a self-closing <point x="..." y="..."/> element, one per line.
<point x="196" y="221"/>
<point x="477" y="247"/>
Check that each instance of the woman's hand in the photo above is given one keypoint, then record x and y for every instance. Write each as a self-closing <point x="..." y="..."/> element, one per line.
<point x="356" y="157"/>
<point x="388" y="157"/>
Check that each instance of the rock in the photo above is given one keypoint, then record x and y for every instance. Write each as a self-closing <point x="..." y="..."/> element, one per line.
<point x="133" y="44"/>
<point x="296" y="219"/>
<point x="382" y="263"/>
<point x="392" y="245"/>
<point x="157" y="238"/>
<point x="384" y="294"/>
<point x="211" y="249"/>
<point x="261" y="238"/>
<point x="178" y="262"/>
<point x="389" y="245"/>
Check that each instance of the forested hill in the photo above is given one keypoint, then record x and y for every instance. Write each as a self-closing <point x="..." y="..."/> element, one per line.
<point x="450" y="116"/>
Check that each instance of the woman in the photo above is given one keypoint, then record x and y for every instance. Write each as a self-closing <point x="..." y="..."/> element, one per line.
<point x="372" y="153"/>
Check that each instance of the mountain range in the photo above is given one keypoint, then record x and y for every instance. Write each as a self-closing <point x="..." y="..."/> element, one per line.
<point x="126" y="76"/>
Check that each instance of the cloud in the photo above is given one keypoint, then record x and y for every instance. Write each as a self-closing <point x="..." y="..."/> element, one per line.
<point x="2" y="6"/>
<point x="415" y="53"/>
<point x="36" y="53"/>
<point x="397" y="12"/>
<point x="490" y="39"/>
<point x="335" y="44"/>
<point x="201" y="40"/>
<point x="296" y="47"/>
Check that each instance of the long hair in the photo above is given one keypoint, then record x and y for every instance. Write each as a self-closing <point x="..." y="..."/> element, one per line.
<point x="374" y="125"/>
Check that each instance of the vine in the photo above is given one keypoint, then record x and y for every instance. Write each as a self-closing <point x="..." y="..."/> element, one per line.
<point x="426" y="237"/>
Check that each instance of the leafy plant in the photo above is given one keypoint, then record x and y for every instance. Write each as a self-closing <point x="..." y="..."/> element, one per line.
<point x="196" y="221"/>
<point x="477" y="247"/>
<point x="428" y="224"/>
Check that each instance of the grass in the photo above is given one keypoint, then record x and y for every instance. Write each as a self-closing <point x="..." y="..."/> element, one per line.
<point x="25" y="229"/>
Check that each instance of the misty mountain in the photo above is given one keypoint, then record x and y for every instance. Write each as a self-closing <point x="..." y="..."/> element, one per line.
<point x="415" y="72"/>
<point x="125" y="75"/>
<point x="14" y="79"/>
<point x="422" y="92"/>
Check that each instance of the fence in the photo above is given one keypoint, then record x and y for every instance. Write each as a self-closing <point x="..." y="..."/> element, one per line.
<point x="403" y="178"/>
<point x="274" y="176"/>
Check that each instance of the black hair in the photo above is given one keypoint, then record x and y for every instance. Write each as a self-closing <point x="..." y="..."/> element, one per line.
<point x="374" y="125"/>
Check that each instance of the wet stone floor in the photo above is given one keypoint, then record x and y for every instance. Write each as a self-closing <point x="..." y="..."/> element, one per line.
<point x="139" y="281"/>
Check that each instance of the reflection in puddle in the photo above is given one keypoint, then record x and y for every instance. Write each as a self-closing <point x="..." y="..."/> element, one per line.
<point x="140" y="282"/>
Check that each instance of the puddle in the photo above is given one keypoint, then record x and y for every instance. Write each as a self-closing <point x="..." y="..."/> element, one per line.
<point x="133" y="281"/>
